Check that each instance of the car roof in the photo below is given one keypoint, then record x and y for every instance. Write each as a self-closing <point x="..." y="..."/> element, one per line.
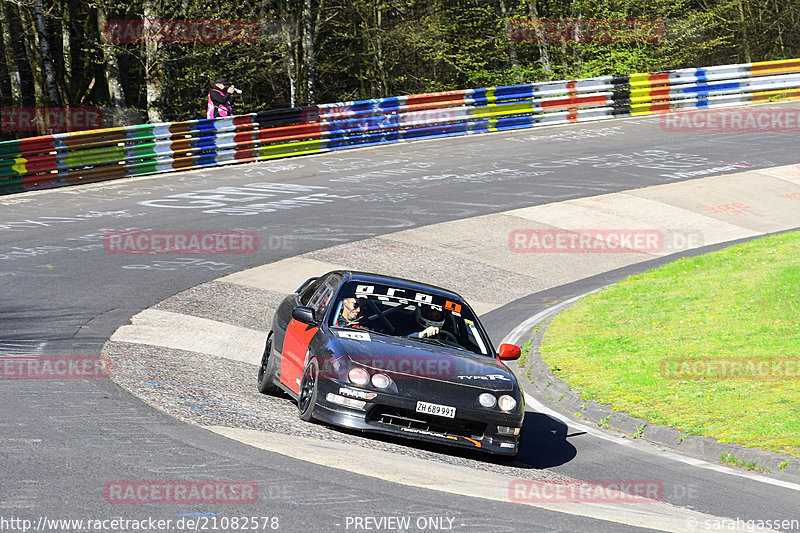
<point x="369" y="277"/>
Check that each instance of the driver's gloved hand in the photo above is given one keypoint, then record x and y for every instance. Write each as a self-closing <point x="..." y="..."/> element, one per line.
<point x="430" y="331"/>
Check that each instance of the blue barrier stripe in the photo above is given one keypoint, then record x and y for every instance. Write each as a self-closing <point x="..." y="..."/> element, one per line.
<point x="204" y="143"/>
<point x="700" y="74"/>
<point x="711" y="88"/>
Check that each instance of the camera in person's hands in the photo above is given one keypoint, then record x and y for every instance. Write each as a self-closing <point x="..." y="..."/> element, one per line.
<point x="234" y="90"/>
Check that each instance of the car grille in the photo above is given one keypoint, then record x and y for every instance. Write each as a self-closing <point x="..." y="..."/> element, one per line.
<point x="404" y="418"/>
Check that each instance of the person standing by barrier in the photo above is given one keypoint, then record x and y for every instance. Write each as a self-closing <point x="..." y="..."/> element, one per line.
<point x="220" y="99"/>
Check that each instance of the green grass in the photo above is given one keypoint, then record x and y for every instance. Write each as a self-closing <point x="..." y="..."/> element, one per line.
<point x="742" y="302"/>
<point x="730" y="459"/>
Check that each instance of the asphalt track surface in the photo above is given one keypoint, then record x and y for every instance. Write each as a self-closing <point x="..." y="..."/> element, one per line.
<point x="63" y="294"/>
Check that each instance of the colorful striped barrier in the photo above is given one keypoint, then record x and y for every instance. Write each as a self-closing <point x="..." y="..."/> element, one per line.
<point x="97" y="155"/>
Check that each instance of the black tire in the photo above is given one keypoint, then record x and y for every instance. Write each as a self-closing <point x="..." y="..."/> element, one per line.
<point x="266" y="370"/>
<point x="307" y="399"/>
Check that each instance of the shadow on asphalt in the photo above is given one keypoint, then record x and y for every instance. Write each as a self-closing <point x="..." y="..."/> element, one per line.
<point x="544" y="442"/>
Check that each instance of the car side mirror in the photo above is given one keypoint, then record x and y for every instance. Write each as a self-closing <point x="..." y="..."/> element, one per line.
<point x="304" y="314"/>
<point x="508" y="352"/>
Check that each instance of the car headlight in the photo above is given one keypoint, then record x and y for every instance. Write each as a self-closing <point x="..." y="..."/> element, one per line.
<point x="507" y="403"/>
<point x="487" y="400"/>
<point x="381" y="381"/>
<point x="358" y="376"/>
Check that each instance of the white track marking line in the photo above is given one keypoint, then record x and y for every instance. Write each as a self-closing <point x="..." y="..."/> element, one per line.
<point x="458" y="480"/>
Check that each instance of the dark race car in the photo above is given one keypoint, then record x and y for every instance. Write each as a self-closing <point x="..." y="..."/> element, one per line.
<point x="393" y="356"/>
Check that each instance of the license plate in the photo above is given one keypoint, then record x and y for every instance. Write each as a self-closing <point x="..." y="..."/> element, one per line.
<point x="436" y="409"/>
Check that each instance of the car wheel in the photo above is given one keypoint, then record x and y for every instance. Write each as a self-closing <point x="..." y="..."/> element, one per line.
<point x="307" y="399"/>
<point x="266" y="371"/>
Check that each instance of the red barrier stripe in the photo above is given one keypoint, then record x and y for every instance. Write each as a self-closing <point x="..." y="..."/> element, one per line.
<point x="288" y="133"/>
<point x="243" y="136"/>
<point x="436" y="105"/>
<point x="660" y="107"/>
<point x="93" y="139"/>
<point x="661" y="91"/>
<point x="183" y="162"/>
<point x="248" y="153"/>
<point x="40" y="163"/>
<point x="34" y="145"/>
<point x="244" y="120"/>
<point x="436" y="97"/>
<point x="179" y="128"/>
<point x="659" y="78"/>
<point x="91" y="175"/>
<point x="574" y="101"/>
<point x="39" y="181"/>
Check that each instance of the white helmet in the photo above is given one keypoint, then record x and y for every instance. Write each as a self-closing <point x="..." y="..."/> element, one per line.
<point x="428" y="316"/>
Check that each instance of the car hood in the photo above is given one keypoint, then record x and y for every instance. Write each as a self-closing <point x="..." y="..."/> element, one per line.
<point x="406" y="358"/>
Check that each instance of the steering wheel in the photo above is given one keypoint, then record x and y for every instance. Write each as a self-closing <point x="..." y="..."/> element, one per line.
<point x="449" y="337"/>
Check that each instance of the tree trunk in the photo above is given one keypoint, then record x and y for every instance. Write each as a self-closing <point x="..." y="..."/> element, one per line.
<point x="748" y="58"/>
<point x="35" y="60"/>
<point x="544" y="57"/>
<point x="115" y="91"/>
<point x="47" y="58"/>
<point x="288" y="33"/>
<point x="512" y="46"/>
<point x="308" y="52"/>
<point x="154" y="69"/>
<point x="10" y="57"/>
<point x="384" y="83"/>
<point x="66" y="50"/>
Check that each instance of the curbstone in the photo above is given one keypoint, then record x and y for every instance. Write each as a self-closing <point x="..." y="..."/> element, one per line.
<point x="664" y="435"/>
<point x="556" y="389"/>
<point x="625" y="423"/>
<point x="761" y="458"/>
<point x="539" y="371"/>
<point x="792" y="471"/>
<point x="595" y="412"/>
<point x="571" y="401"/>
<point x="706" y="448"/>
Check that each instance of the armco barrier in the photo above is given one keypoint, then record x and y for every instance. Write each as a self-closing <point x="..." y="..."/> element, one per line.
<point x="97" y="155"/>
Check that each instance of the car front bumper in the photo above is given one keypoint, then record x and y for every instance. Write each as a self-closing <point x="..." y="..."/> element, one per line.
<point x="392" y="414"/>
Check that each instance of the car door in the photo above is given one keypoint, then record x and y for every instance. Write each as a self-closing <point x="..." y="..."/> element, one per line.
<point x="299" y="335"/>
<point x="283" y="315"/>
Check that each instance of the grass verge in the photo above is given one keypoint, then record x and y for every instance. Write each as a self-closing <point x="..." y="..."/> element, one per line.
<point x="709" y="345"/>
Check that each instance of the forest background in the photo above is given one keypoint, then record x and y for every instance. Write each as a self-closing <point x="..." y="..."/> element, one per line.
<point x="287" y="53"/>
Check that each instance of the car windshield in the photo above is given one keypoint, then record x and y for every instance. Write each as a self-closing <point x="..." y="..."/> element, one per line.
<point x="412" y="313"/>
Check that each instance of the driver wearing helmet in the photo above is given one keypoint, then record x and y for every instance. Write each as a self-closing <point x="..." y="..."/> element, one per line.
<point x="429" y="318"/>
